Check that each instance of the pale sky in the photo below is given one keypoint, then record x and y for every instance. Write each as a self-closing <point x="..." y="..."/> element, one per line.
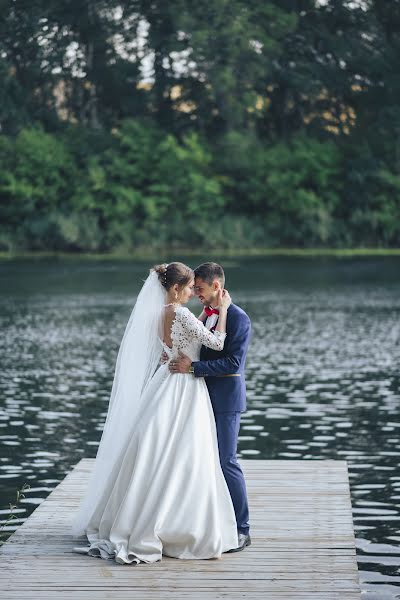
<point x="136" y="50"/>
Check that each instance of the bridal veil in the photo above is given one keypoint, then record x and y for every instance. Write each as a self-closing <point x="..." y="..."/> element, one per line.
<point x="137" y="360"/>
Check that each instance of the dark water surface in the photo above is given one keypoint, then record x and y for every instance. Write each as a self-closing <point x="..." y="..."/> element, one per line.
<point x="323" y="377"/>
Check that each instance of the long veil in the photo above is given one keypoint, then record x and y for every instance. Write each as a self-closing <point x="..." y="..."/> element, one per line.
<point x="137" y="360"/>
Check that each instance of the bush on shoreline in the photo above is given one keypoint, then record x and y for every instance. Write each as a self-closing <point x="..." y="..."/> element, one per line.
<point x="142" y="187"/>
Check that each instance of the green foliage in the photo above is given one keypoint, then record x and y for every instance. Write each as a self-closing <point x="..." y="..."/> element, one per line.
<point x="36" y="173"/>
<point x="302" y="185"/>
<point x="143" y="187"/>
<point x="375" y="219"/>
<point x="266" y="124"/>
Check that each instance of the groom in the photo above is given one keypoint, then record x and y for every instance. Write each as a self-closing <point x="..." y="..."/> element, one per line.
<point x="224" y="375"/>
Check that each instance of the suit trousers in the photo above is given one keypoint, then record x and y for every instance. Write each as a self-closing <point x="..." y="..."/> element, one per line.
<point x="228" y="425"/>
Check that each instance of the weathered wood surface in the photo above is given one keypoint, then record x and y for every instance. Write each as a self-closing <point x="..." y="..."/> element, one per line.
<point x="302" y="548"/>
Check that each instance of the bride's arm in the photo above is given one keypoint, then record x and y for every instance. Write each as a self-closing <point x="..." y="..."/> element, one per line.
<point x="198" y="330"/>
<point x="224" y="301"/>
<point x="216" y="342"/>
<point x="202" y="316"/>
<point x="235" y="351"/>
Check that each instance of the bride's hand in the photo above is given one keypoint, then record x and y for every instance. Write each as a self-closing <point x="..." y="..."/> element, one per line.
<point x="224" y="299"/>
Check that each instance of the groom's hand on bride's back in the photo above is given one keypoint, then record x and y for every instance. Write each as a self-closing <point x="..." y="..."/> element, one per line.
<point x="181" y="364"/>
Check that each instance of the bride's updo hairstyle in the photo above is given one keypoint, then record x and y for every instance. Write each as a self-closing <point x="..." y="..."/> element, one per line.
<point x="175" y="272"/>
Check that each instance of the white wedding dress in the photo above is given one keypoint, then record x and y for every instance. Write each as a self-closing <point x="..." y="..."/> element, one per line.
<point x="170" y="496"/>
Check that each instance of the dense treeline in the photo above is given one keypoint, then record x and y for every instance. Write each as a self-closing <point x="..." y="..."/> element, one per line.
<point x="264" y="123"/>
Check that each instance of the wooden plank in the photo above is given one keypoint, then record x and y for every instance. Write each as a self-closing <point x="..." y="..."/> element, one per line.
<point x="303" y="546"/>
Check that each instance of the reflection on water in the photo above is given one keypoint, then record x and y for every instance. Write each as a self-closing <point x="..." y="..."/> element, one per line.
<point x="323" y="377"/>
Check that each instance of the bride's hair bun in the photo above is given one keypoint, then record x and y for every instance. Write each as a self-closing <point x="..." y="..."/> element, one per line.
<point x="175" y="272"/>
<point x="162" y="271"/>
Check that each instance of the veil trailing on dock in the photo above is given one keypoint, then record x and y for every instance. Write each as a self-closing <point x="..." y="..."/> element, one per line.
<point x="137" y="360"/>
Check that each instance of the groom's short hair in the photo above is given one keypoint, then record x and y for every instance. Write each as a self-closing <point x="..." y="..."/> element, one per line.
<point x="210" y="271"/>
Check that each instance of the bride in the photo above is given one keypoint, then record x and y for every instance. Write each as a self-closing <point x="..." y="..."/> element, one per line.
<point x="157" y="487"/>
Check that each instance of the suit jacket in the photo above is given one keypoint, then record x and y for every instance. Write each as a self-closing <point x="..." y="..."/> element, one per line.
<point x="224" y="370"/>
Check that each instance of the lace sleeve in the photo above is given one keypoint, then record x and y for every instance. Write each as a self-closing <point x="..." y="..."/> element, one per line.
<point x="196" y="329"/>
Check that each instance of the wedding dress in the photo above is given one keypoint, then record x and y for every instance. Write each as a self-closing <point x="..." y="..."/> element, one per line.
<point x="169" y="495"/>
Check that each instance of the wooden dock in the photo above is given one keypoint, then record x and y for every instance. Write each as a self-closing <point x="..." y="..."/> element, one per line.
<point x="303" y="546"/>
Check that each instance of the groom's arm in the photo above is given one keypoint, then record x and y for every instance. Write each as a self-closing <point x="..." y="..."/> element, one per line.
<point x="228" y="365"/>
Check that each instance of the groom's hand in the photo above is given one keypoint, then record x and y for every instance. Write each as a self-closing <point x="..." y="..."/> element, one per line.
<point x="180" y="364"/>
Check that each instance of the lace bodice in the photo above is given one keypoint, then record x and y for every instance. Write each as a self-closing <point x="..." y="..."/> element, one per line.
<point x="188" y="334"/>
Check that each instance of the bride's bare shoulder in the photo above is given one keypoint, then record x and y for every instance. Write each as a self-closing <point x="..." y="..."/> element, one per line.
<point x="169" y="313"/>
<point x="169" y="309"/>
<point x="172" y="311"/>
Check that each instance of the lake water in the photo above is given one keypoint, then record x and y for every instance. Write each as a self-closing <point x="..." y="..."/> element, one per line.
<point x="323" y="377"/>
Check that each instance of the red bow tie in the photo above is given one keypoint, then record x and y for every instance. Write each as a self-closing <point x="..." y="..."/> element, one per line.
<point x="211" y="311"/>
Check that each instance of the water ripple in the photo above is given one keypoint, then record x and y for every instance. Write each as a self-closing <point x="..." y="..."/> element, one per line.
<point x="323" y="378"/>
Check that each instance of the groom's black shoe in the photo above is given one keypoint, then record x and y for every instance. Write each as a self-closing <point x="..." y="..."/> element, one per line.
<point x="244" y="540"/>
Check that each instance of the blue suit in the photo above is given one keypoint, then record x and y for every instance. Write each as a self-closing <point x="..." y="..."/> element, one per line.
<point x="225" y="378"/>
